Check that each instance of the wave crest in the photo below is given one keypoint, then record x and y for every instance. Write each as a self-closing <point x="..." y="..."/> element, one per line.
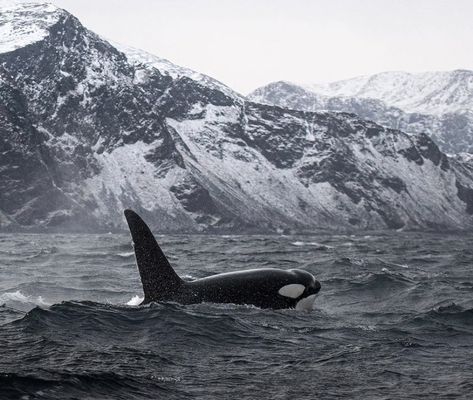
<point x="18" y="297"/>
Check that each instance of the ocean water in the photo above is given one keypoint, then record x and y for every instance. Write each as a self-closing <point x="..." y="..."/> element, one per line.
<point x="394" y="319"/>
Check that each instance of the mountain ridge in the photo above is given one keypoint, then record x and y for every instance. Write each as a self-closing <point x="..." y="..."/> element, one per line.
<point x="449" y="124"/>
<point x="86" y="132"/>
<point x="436" y="92"/>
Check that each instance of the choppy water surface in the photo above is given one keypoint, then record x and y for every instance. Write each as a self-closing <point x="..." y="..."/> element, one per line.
<point x="394" y="319"/>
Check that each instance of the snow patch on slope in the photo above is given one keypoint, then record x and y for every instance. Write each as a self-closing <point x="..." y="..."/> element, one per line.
<point x="126" y="176"/>
<point x="23" y="23"/>
<point x="261" y="190"/>
<point x="140" y="57"/>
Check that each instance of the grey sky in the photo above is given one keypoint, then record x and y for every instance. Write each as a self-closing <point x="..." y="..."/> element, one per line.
<point x="246" y="44"/>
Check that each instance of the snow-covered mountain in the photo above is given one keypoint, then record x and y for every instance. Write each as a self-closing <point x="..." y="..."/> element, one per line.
<point x="88" y="129"/>
<point x="422" y="93"/>
<point x="439" y="104"/>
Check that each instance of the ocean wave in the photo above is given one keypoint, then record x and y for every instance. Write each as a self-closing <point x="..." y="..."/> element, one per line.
<point x="318" y="246"/>
<point x="67" y="385"/>
<point x="209" y="324"/>
<point x="451" y="317"/>
<point x="349" y="262"/>
<point x="454" y="311"/>
<point x="47" y="251"/>
<point x="369" y="284"/>
<point x="392" y="264"/>
<point x="135" y="301"/>
<point x="385" y="278"/>
<point x="126" y="255"/>
<point x="188" y="277"/>
<point x="18" y="297"/>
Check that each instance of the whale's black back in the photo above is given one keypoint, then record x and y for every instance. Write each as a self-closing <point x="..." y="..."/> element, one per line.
<point x="257" y="287"/>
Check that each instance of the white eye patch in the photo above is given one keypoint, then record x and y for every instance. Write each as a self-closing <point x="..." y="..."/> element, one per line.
<point x="294" y="290"/>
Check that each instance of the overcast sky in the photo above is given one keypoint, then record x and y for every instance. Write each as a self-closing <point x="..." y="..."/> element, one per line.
<point x="248" y="43"/>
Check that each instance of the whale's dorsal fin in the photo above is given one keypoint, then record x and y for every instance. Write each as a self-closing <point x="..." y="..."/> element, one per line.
<point x="157" y="276"/>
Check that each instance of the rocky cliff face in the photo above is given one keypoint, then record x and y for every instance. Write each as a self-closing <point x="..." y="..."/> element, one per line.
<point x="88" y="129"/>
<point x="439" y="104"/>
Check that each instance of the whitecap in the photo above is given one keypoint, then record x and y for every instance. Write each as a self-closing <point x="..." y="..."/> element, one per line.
<point x="369" y="328"/>
<point x="320" y="245"/>
<point x="135" y="301"/>
<point x="126" y="255"/>
<point x="21" y="298"/>
<point x="188" y="277"/>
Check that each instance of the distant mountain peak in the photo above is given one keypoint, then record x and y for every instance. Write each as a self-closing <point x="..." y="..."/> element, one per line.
<point x="437" y="103"/>
<point x="424" y="92"/>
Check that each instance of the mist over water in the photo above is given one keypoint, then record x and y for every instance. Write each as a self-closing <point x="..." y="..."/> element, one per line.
<point x="394" y="319"/>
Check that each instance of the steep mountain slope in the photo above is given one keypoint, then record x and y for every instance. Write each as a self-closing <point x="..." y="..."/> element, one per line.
<point x="87" y="130"/>
<point x="437" y="103"/>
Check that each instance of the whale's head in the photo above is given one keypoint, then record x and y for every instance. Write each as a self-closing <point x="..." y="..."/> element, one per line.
<point x="302" y="290"/>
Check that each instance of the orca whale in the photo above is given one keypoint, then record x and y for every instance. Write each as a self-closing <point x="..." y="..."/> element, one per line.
<point x="264" y="288"/>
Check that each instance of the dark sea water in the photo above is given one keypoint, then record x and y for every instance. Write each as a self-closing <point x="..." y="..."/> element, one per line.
<point x="394" y="319"/>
